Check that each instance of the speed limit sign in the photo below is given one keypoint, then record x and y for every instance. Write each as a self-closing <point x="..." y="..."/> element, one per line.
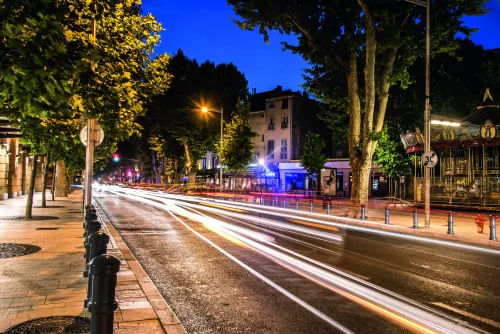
<point x="429" y="159"/>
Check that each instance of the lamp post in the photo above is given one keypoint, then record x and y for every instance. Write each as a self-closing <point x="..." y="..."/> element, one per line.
<point x="221" y="112"/>
<point x="427" y="123"/>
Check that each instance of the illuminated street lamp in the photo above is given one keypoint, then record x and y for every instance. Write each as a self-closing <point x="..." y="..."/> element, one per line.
<point x="221" y="112"/>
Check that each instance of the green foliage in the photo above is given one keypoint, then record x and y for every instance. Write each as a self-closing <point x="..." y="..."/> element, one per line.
<point x="236" y="149"/>
<point x="313" y="159"/>
<point x="176" y="115"/>
<point x="391" y="156"/>
<point x="53" y="70"/>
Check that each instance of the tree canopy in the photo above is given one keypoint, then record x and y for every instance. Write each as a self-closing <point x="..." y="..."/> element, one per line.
<point x="313" y="159"/>
<point x="367" y="47"/>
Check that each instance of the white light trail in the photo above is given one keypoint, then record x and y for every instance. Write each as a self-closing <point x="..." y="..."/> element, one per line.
<point x="399" y="309"/>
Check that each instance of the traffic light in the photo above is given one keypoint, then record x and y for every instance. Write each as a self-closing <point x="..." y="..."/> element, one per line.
<point x="116" y="157"/>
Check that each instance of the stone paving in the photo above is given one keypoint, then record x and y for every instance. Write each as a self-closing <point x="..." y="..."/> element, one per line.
<point x="50" y="282"/>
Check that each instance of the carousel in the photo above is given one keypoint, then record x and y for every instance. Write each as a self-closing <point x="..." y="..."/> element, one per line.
<point x="468" y="171"/>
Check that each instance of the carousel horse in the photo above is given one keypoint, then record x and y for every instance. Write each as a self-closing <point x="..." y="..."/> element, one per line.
<point x="473" y="188"/>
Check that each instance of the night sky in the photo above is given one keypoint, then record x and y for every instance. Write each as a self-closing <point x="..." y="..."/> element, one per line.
<point x="203" y="30"/>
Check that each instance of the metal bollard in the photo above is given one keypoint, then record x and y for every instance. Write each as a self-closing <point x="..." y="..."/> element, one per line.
<point x="328" y="209"/>
<point x="254" y="200"/>
<point x="450" y="223"/>
<point x="387" y="215"/>
<point x="89" y="217"/>
<point x="493" y="227"/>
<point x="311" y="206"/>
<point x="284" y="204"/>
<point x="93" y="226"/>
<point x="262" y="200"/>
<point x="273" y="201"/>
<point x="89" y="207"/>
<point x="363" y="212"/>
<point x="103" y="303"/>
<point x="296" y="204"/>
<point x="98" y="242"/>
<point x="415" y="219"/>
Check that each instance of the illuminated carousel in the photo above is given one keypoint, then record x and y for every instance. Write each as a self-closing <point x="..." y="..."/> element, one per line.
<point x="468" y="172"/>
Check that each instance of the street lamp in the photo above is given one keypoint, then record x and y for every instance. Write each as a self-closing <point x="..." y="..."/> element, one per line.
<point x="221" y="112"/>
<point x="427" y="123"/>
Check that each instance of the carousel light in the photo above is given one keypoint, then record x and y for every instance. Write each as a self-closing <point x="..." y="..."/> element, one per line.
<point x="445" y="123"/>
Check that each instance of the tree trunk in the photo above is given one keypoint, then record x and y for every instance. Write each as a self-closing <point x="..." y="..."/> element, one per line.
<point x="359" y="186"/>
<point x="61" y="189"/>
<point x="31" y="190"/>
<point x="189" y="164"/>
<point x="53" y="191"/>
<point x="45" y="170"/>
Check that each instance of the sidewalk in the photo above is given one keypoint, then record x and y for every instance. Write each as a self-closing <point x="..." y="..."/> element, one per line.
<point x="400" y="218"/>
<point x="49" y="282"/>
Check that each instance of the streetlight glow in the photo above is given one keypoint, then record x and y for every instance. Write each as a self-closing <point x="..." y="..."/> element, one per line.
<point x="204" y="109"/>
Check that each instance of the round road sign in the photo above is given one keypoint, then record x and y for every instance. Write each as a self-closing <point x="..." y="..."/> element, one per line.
<point x="429" y="159"/>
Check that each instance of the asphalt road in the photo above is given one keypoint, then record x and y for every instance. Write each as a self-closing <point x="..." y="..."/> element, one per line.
<point x="238" y="269"/>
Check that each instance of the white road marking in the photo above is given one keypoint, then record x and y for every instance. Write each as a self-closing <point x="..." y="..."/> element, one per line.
<point x="470" y="315"/>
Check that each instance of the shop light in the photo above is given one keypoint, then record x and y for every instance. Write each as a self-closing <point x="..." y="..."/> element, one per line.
<point x="445" y="123"/>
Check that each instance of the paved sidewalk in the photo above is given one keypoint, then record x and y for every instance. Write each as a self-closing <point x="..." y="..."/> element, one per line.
<point x="401" y="218"/>
<point x="50" y="282"/>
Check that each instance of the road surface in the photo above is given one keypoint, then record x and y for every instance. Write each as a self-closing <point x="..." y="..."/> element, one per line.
<point x="228" y="267"/>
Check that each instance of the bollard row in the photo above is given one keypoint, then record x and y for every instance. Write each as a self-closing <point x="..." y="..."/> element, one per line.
<point x="101" y="270"/>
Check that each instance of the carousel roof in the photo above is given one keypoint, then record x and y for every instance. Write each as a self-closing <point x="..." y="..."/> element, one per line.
<point x="487" y="110"/>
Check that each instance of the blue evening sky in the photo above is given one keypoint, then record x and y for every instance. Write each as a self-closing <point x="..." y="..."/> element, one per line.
<point x="203" y="29"/>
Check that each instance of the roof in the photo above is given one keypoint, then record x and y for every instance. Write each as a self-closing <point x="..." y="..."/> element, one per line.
<point x="487" y="110"/>
<point x="258" y="101"/>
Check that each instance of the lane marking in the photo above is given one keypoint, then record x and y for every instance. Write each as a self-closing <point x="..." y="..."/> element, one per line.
<point x="467" y="314"/>
<point x="291" y="296"/>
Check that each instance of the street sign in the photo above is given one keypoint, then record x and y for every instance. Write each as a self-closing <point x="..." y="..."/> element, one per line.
<point x="430" y="159"/>
<point x="98" y="135"/>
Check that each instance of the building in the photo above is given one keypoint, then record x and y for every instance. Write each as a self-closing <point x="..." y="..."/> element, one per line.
<point x="15" y="163"/>
<point x="282" y="119"/>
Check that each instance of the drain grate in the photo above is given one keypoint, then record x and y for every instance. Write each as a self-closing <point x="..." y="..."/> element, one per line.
<point x="53" y="325"/>
<point x="47" y="228"/>
<point x="8" y="250"/>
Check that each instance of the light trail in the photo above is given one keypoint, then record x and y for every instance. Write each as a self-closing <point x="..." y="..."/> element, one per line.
<point x="399" y="309"/>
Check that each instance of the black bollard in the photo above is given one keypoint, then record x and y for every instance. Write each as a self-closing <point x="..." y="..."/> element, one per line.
<point x="328" y="208"/>
<point x="493" y="227"/>
<point x="450" y="223"/>
<point x="296" y="204"/>
<point x="273" y="201"/>
<point x="93" y="226"/>
<point x="363" y="212"/>
<point x="103" y="303"/>
<point x="311" y="208"/>
<point x="415" y="219"/>
<point x="89" y="216"/>
<point x="254" y="200"/>
<point x="284" y="204"/>
<point x="98" y="242"/>
<point x="387" y="214"/>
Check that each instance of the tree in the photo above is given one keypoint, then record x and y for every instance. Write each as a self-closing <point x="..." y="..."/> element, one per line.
<point x="236" y="149"/>
<point x="53" y="70"/>
<point x="366" y="44"/>
<point x="175" y="118"/>
<point x="391" y="156"/>
<point x="313" y="159"/>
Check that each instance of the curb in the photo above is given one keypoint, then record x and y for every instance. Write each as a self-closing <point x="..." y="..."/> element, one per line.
<point x="168" y="319"/>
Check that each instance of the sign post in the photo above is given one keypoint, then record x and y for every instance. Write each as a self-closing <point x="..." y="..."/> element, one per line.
<point x="91" y="136"/>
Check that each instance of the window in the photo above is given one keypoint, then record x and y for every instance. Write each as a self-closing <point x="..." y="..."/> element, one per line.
<point x="270" y="126"/>
<point x="271" y="104"/>
<point x="262" y="137"/>
<point x="284" y="122"/>
<point x="284" y="149"/>
<point x="214" y="162"/>
<point x="284" y="103"/>
<point x="204" y="163"/>
<point x="270" y="149"/>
